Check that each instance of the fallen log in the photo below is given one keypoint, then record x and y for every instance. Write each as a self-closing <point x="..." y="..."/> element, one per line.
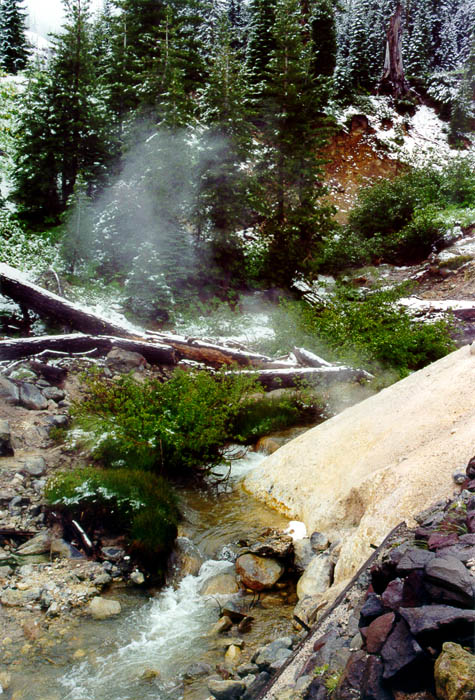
<point x="14" y="284"/>
<point x="77" y="343"/>
<point x="316" y="376"/>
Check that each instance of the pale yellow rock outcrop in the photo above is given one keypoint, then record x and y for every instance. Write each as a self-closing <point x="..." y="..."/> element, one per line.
<point x="378" y="463"/>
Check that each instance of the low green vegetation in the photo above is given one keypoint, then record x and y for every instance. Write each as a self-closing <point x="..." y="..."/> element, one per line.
<point x="130" y="501"/>
<point x="369" y="329"/>
<point x="402" y="220"/>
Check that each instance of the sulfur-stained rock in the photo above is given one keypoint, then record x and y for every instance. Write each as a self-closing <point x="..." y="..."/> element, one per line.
<point x="258" y="573"/>
<point x="454" y="673"/>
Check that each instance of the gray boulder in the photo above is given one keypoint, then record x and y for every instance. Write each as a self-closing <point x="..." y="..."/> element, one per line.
<point x="226" y="690"/>
<point x="8" y="391"/>
<point x="278" y="650"/>
<point x="52" y="393"/>
<point x="32" y="398"/>
<point x="120" y="360"/>
<point x="34" y="466"/>
<point x="37" y="545"/>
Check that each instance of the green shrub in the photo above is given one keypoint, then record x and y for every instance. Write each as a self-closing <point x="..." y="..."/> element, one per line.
<point x="401" y="220"/>
<point x="138" y="503"/>
<point x="179" y="427"/>
<point x="268" y="414"/>
<point x="373" y="330"/>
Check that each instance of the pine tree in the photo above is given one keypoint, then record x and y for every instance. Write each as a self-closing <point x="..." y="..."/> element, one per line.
<point x="290" y="167"/>
<point x="65" y="125"/>
<point x="13" y="44"/>
<point x="261" y="37"/>
<point x="226" y="110"/>
<point x="77" y="243"/>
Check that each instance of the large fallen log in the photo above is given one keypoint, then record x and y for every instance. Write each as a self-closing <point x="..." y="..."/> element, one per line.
<point x="316" y="376"/>
<point x="14" y="284"/>
<point x="76" y="343"/>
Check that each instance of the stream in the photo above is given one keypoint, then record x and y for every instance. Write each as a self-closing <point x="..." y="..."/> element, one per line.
<point x="144" y="653"/>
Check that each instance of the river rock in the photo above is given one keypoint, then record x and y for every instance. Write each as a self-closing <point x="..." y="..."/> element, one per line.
<point x="186" y="559"/>
<point x="6" y="449"/>
<point x="449" y="573"/>
<point x="317" y="576"/>
<point x="32" y="398"/>
<point x="454" y="673"/>
<point x="120" y="360"/>
<point x="40" y="544"/>
<point x="226" y="690"/>
<point x="137" y="578"/>
<point x="220" y="584"/>
<point x="102" y="608"/>
<point x="277" y="545"/>
<point x="275" y="651"/>
<point x="222" y="625"/>
<point x="307" y="609"/>
<point x="232" y="655"/>
<point x="197" y="670"/>
<point x="113" y="553"/>
<point x="34" y="466"/>
<point x="9" y="391"/>
<point x="258" y="573"/>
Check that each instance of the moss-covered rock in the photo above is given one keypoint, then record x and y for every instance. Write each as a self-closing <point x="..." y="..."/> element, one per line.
<point x="455" y="673"/>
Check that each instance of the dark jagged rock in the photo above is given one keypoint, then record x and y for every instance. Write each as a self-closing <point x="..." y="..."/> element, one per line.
<point x="392" y="596"/>
<point x="470" y="471"/>
<point x="372" y="609"/>
<point x="413" y="559"/>
<point x="428" y="619"/>
<point x="414" y="590"/>
<point x="382" y="575"/>
<point x="471" y="521"/>
<point x="439" y="540"/>
<point x="400" y="651"/>
<point x="464" y="551"/>
<point x="449" y="573"/>
<point x="378" y="631"/>
<point x="372" y="684"/>
<point x="352" y="677"/>
<point x="257" y="686"/>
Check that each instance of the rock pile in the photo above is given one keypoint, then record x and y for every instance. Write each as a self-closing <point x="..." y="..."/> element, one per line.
<point x="418" y="618"/>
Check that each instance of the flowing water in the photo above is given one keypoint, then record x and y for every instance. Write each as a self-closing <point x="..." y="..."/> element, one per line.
<point x="145" y="653"/>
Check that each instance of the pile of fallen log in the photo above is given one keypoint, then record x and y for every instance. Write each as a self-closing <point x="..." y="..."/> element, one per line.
<point x="98" y="336"/>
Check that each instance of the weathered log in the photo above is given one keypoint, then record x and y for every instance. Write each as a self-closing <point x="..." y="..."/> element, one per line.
<point x="76" y="343"/>
<point x="309" y="359"/>
<point x="210" y="353"/>
<point x="14" y="285"/>
<point x="316" y="376"/>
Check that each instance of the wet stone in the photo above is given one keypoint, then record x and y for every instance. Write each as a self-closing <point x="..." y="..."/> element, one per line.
<point x="258" y="573"/>
<point x="226" y="690"/>
<point x="275" y="651"/>
<point x="197" y="670"/>
<point x="276" y="546"/>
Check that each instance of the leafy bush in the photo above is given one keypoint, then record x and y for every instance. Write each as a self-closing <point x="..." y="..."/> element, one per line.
<point x="180" y="426"/>
<point x="139" y="503"/>
<point x="372" y="330"/>
<point x="268" y="414"/>
<point x="400" y="220"/>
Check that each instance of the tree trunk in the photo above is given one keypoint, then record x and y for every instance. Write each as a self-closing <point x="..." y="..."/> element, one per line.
<point x="316" y="376"/>
<point x="393" y="81"/>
